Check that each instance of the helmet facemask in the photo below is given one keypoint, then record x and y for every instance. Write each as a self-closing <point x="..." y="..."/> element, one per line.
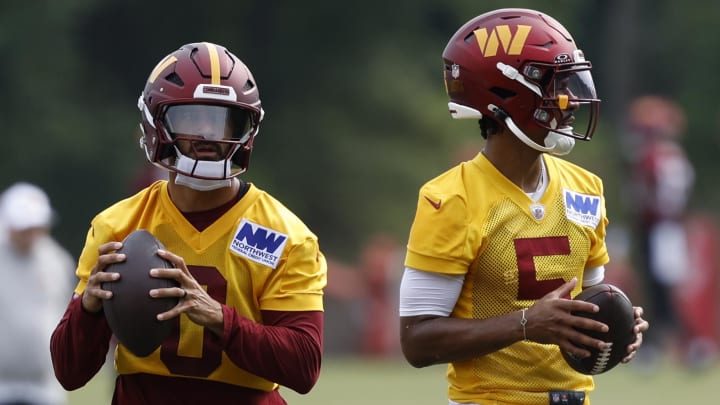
<point x="209" y="144"/>
<point x="565" y="101"/>
<point x="568" y="105"/>
<point x="205" y="134"/>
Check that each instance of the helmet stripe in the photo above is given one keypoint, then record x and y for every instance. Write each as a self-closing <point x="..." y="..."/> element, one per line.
<point x="214" y="63"/>
<point x="160" y="67"/>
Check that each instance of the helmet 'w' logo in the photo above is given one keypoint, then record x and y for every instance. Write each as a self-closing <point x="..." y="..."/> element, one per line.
<point x="489" y="42"/>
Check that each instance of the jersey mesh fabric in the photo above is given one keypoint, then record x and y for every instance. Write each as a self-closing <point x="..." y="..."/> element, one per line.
<point x="485" y="228"/>
<point x="230" y="278"/>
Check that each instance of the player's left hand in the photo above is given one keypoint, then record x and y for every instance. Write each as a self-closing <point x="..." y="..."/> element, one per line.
<point x="194" y="301"/>
<point x="641" y="325"/>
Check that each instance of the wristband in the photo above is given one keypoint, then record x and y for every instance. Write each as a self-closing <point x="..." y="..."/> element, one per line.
<point x="523" y="322"/>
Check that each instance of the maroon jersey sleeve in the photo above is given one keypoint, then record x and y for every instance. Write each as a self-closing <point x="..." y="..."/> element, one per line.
<point x="79" y="345"/>
<point x="285" y="349"/>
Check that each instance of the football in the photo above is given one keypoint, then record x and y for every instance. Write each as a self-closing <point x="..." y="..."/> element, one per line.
<point x="616" y="311"/>
<point x="131" y="312"/>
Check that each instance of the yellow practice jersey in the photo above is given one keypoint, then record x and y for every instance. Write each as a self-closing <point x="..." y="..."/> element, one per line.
<point x="257" y="256"/>
<point x="473" y="221"/>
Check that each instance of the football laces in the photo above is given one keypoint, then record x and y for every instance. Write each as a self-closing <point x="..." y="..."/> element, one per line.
<point x="603" y="358"/>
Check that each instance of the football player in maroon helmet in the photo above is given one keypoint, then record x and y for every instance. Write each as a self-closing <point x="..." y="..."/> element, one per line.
<point x="250" y="274"/>
<point x="500" y="243"/>
<point x="523" y="71"/>
<point x="197" y="122"/>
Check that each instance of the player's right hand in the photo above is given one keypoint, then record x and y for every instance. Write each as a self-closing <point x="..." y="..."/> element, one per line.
<point x="93" y="296"/>
<point x="550" y="321"/>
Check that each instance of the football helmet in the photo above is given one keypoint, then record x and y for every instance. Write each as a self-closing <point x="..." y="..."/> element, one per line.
<point x="200" y="112"/>
<point x="522" y="68"/>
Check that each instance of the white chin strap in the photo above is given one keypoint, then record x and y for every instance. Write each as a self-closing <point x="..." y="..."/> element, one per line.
<point x="555" y="143"/>
<point x="202" y="168"/>
<point x="560" y="144"/>
<point x="201" y="184"/>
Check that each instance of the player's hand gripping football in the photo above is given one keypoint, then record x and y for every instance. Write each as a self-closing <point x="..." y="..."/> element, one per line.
<point x="641" y="326"/>
<point x="194" y="300"/>
<point x="92" y="298"/>
<point x="550" y="321"/>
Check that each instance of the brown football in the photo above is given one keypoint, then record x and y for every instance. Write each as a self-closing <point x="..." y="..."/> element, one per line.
<point x="131" y="312"/>
<point x="616" y="311"/>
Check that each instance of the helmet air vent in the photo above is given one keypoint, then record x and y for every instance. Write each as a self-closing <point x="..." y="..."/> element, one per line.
<point x="503" y="93"/>
<point x="175" y="78"/>
<point x="547" y="44"/>
<point x="249" y="85"/>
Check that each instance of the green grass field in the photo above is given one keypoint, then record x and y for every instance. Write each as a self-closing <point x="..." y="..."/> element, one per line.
<point x="353" y="381"/>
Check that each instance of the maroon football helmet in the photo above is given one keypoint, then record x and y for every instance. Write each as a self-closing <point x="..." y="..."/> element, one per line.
<point x="200" y="113"/>
<point x="523" y="68"/>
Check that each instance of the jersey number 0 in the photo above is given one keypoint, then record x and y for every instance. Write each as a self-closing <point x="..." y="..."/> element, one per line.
<point x="211" y="357"/>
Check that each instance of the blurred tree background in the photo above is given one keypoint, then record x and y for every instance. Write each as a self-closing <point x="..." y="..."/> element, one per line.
<point x="356" y="115"/>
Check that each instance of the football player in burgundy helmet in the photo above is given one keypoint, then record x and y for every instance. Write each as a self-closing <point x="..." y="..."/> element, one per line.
<point x="531" y="79"/>
<point x="248" y="273"/>
<point x="200" y="113"/>
<point x="501" y="242"/>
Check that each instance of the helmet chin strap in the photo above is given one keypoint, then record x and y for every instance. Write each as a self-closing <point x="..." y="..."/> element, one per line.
<point x="201" y="184"/>
<point x="555" y="143"/>
<point x="561" y="144"/>
<point x="202" y="168"/>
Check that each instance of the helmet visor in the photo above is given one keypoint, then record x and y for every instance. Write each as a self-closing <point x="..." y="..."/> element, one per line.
<point x="569" y="104"/>
<point x="575" y="84"/>
<point x="209" y="122"/>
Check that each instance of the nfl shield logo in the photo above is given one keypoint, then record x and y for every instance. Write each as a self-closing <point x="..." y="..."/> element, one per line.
<point x="455" y="72"/>
<point x="538" y="211"/>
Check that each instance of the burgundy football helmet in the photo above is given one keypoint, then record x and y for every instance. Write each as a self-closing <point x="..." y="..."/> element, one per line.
<point x="200" y="113"/>
<point x="522" y="68"/>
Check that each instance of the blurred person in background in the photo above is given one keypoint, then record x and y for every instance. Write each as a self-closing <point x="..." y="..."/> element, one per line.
<point x="661" y="182"/>
<point x="501" y="243"/>
<point x="36" y="275"/>
<point x="362" y="295"/>
<point x="697" y="297"/>
<point x="380" y="257"/>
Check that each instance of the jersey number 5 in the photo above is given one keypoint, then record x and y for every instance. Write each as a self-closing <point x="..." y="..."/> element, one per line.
<point x="530" y="288"/>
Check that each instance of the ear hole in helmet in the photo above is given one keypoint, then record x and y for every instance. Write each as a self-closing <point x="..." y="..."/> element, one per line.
<point x="503" y="93"/>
